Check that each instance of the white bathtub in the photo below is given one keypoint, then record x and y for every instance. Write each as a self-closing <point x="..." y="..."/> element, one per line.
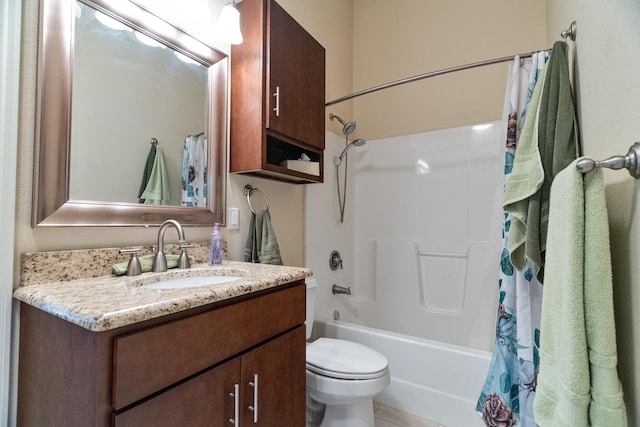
<point x="430" y="379"/>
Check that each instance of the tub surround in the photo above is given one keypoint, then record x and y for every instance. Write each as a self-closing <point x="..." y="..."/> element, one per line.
<point x="77" y="286"/>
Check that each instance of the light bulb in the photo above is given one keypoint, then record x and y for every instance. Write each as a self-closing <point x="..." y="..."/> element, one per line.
<point x="228" y="26"/>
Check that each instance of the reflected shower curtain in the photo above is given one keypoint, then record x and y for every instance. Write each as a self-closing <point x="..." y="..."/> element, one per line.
<point x="509" y="389"/>
<point x="194" y="171"/>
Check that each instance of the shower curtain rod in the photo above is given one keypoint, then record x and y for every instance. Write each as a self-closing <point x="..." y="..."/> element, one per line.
<point x="568" y="33"/>
<point x="427" y="75"/>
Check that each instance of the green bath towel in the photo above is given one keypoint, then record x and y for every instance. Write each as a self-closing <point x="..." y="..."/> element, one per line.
<point x="578" y="383"/>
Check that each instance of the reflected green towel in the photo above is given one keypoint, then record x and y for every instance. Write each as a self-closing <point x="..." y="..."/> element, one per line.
<point x="158" y="189"/>
<point x="261" y="244"/>
<point x="578" y="383"/>
<point x="146" y="262"/>
<point x="146" y="173"/>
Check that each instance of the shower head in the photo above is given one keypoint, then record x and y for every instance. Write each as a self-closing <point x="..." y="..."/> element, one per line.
<point x="357" y="143"/>
<point x="347" y="128"/>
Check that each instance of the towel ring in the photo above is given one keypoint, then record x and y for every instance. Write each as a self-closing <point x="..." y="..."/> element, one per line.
<point x="249" y="190"/>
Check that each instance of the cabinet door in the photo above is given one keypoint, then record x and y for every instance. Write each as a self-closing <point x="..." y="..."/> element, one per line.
<point x="274" y="382"/>
<point x="202" y="401"/>
<point x="297" y="74"/>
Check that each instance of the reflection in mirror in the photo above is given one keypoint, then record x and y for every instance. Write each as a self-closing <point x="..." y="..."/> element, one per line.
<point x="144" y="80"/>
<point x="146" y="90"/>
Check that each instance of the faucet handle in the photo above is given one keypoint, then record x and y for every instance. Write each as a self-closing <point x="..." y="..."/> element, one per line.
<point x="183" y="261"/>
<point x="133" y="267"/>
<point x="335" y="260"/>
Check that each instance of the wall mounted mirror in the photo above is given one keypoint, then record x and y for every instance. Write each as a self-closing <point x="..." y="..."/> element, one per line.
<point x="112" y="78"/>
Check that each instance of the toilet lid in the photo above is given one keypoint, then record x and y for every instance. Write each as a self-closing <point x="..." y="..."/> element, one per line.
<point x="344" y="359"/>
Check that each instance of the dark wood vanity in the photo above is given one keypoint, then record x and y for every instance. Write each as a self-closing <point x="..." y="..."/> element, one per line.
<point x="240" y="360"/>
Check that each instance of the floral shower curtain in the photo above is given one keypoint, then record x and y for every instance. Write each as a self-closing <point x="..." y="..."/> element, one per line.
<point x="194" y="171"/>
<point x="507" y="396"/>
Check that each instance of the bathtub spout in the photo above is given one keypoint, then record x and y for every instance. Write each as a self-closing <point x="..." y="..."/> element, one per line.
<point x="340" y="290"/>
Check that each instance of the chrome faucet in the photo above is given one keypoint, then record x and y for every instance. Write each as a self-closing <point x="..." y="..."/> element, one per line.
<point x="160" y="259"/>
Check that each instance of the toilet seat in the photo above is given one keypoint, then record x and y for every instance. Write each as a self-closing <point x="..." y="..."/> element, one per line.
<point x="345" y="360"/>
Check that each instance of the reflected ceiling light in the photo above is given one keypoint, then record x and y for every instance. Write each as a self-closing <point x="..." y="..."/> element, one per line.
<point x="228" y="26"/>
<point x="184" y="58"/>
<point x="110" y="22"/>
<point x="148" y="40"/>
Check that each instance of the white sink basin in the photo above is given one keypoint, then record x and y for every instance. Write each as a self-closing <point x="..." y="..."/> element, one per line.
<point x="191" y="282"/>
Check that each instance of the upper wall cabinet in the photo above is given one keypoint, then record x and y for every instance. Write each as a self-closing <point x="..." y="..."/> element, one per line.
<point x="277" y="96"/>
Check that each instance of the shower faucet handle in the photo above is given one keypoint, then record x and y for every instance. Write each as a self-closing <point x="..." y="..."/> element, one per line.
<point x="335" y="261"/>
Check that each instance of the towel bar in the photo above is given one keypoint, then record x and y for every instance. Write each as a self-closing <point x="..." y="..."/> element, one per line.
<point x="629" y="161"/>
<point x="249" y="190"/>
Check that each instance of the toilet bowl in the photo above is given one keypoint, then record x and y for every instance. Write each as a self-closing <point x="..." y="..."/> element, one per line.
<point x="342" y="375"/>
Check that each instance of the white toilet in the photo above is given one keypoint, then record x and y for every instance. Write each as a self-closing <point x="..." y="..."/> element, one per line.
<point x="342" y="375"/>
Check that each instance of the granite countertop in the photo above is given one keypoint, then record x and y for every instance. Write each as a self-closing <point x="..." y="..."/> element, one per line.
<point x="108" y="302"/>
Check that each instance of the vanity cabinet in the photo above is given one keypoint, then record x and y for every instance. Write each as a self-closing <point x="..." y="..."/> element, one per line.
<point x="277" y="95"/>
<point x="241" y="361"/>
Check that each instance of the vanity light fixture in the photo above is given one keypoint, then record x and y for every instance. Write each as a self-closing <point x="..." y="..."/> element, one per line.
<point x="227" y="27"/>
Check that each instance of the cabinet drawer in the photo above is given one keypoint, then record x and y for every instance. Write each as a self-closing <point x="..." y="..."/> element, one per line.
<point x="201" y="401"/>
<point x="150" y="360"/>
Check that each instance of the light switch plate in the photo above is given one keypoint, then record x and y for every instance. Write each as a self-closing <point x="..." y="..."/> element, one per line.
<point x="234" y="219"/>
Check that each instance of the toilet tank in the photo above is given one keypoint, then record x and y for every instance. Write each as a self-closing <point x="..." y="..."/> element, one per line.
<point x="312" y="284"/>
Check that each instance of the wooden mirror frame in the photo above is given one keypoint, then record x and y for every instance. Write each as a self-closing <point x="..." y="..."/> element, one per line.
<point x="52" y="206"/>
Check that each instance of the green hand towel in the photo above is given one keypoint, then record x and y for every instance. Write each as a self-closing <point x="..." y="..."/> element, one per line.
<point x="261" y="244"/>
<point x="146" y="262"/>
<point x="577" y="382"/>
